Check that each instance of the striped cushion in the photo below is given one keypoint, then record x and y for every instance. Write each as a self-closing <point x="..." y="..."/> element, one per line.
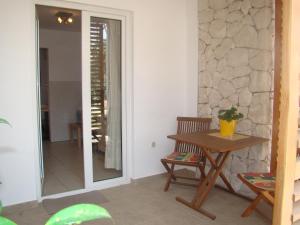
<point x="265" y="181"/>
<point x="184" y="157"/>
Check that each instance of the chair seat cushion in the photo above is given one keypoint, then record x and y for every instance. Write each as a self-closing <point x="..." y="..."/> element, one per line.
<point x="264" y="181"/>
<point x="184" y="157"/>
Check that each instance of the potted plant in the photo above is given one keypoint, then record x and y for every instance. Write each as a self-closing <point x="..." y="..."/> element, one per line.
<point x="228" y="119"/>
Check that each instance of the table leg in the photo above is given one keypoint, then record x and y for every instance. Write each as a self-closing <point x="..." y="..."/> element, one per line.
<point x="211" y="180"/>
<point x="71" y="132"/>
<point x="202" y="211"/>
<point x="79" y="137"/>
<point x="226" y="182"/>
<point x="207" y="184"/>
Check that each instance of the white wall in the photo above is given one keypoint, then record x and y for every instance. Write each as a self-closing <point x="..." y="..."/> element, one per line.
<point x="163" y="79"/>
<point x="64" y="49"/>
<point x="17" y="99"/>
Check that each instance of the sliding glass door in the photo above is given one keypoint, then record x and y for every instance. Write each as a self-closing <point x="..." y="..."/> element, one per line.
<point x="102" y="97"/>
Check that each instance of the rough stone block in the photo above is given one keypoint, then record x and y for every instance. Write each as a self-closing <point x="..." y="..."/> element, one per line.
<point x="262" y="18"/>
<point x="245" y="97"/>
<point x="237" y="57"/>
<point x="205" y="16"/>
<point x="233" y="28"/>
<point x="234" y="99"/>
<point x="262" y="61"/>
<point x="204" y="110"/>
<point x="260" y="108"/>
<point x="226" y="88"/>
<point x="203" y="95"/>
<point x="245" y="6"/>
<point x="203" y="5"/>
<point x="265" y="40"/>
<point x="244" y="125"/>
<point x="217" y="28"/>
<point x="225" y="104"/>
<point x="246" y="37"/>
<point x="205" y="79"/>
<point x="260" y="81"/>
<point x="241" y="82"/>
<point x="214" y="98"/>
<point x="235" y="16"/>
<point x="235" y="6"/>
<point x="241" y="71"/>
<point x="212" y="66"/>
<point x="225" y="46"/>
<point x="217" y="4"/>
<point x="257" y="3"/>
<point x="264" y="131"/>
<point x="238" y="165"/>
<point x="201" y="47"/>
<point x="205" y="37"/>
<point x="221" y="14"/>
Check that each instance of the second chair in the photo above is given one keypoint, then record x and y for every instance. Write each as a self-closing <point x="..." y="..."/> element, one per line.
<point x="186" y="154"/>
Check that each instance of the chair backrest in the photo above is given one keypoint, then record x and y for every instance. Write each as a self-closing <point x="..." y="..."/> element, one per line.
<point x="190" y="125"/>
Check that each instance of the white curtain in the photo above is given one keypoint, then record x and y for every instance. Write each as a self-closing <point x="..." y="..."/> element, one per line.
<point x="113" y="152"/>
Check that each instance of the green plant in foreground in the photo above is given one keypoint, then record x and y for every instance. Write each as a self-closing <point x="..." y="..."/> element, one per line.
<point x="5" y="221"/>
<point x="230" y="114"/>
<point x="75" y="214"/>
<point x="4" y="121"/>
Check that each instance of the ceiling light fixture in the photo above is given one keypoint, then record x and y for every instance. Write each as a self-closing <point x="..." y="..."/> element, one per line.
<point x="64" y="18"/>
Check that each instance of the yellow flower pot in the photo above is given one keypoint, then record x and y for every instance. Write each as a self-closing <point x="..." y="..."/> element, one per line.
<point x="227" y="128"/>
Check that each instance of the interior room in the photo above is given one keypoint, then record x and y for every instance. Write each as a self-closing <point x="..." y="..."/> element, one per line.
<point x="61" y="104"/>
<point x="149" y="112"/>
<point x="61" y="99"/>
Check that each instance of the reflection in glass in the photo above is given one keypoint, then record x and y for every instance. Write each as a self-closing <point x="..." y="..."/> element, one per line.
<point x="105" y="46"/>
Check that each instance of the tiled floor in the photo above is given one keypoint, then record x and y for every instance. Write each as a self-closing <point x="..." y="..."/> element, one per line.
<point x="100" y="173"/>
<point x="63" y="163"/>
<point x="143" y="202"/>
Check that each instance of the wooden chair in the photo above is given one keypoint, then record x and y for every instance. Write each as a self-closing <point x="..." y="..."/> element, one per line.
<point x="263" y="184"/>
<point x="186" y="154"/>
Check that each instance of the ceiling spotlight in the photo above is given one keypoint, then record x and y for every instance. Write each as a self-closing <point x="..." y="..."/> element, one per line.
<point x="59" y="20"/>
<point x="70" y="20"/>
<point x="64" y="17"/>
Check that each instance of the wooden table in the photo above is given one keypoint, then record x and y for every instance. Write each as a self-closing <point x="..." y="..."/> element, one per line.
<point x="222" y="147"/>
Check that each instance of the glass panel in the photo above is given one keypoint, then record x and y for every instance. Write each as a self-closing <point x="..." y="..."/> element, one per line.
<point x="105" y="45"/>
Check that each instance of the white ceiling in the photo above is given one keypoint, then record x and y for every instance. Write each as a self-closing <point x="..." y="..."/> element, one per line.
<point x="47" y="18"/>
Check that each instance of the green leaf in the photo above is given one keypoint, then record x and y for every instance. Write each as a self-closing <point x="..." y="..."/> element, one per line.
<point x="4" y="121"/>
<point x="229" y="114"/>
<point x="5" y="221"/>
<point x="77" y="214"/>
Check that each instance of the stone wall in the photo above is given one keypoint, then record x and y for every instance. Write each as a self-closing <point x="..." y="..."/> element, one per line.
<point x="236" y="69"/>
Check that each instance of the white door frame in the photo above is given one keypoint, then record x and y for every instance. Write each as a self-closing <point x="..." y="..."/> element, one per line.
<point x="127" y="94"/>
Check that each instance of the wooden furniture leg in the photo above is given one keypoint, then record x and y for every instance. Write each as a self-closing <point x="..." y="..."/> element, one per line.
<point x="71" y="132"/>
<point x="207" y="184"/>
<point x="252" y="206"/>
<point x="226" y="182"/>
<point x="266" y="195"/>
<point x="202" y="211"/>
<point x="211" y="179"/>
<point x="79" y="136"/>
<point x="171" y="175"/>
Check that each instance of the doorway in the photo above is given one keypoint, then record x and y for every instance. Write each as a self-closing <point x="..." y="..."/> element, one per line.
<point x="82" y="124"/>
<point x="61" y="103"/>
